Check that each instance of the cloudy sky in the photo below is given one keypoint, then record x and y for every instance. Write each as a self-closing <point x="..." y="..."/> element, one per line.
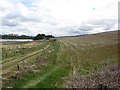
<point x="58" y="17"/>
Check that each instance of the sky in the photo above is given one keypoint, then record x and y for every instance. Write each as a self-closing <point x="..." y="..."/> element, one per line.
<point x="58" y="17"/>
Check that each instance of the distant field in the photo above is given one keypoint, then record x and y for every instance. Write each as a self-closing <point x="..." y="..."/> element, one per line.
<point x="53" y="64"/>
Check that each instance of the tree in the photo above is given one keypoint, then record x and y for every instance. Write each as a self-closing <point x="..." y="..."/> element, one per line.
<point x="49" y="36"/>
<point x="39" y="36"/>
<point x="42" y="36"/>
<point x="15" y="37"/>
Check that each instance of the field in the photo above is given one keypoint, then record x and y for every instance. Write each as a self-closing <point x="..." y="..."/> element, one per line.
<point x="64" y="62"/>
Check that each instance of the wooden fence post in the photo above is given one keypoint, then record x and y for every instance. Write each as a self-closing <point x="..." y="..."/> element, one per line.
<point x="18" y="66"/>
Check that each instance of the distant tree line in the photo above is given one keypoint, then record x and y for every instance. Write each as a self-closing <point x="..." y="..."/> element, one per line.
<point x="16" y="37"/>
<point x="38" y="37"/>
<point x="42" y="36"/>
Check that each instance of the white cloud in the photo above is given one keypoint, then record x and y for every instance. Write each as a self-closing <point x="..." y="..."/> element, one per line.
<point x="58" y="17"/>
<point x="24" y="10"/>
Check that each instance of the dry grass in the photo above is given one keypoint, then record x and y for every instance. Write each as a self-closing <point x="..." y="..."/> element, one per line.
<point x="107" y="76"/>
<point x="81" y="56"/>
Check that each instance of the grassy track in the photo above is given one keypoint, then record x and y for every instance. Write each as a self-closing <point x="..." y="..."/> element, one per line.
<point x="12" y="64"/>
<point x="21" y="49"/>
<point x="51" y="67"/>
<point x="66" y="57"/>
<point x="39" y="79"/>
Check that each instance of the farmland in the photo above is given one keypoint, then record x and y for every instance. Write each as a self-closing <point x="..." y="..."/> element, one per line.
<point x="55" y="64"/>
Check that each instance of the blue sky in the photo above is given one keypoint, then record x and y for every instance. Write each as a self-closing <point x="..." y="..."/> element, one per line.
<point x="58" y="17"/>
<point x="28" y="3"/>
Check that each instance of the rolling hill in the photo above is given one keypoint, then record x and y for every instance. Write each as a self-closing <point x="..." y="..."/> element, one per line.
<point x="79" y="61"/>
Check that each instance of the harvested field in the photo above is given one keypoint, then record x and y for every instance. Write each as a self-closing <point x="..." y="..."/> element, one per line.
<point x="72" y="62"/>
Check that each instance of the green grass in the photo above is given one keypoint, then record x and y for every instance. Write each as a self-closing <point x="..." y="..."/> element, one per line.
<point x="95" y="58"/>
<point x="21" y="81"/>
<point x="12" y="63"/>
<point x="54" y="80"/>
<point x="66" y="56"/>
<point x="18" y="52"/>
<point x="51" y="69"/>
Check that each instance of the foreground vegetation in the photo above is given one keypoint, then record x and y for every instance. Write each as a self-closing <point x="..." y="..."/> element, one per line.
<point x="49" y="63"/>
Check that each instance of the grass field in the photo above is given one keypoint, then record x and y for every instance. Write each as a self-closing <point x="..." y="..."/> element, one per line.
<point x="50" y="64"/>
